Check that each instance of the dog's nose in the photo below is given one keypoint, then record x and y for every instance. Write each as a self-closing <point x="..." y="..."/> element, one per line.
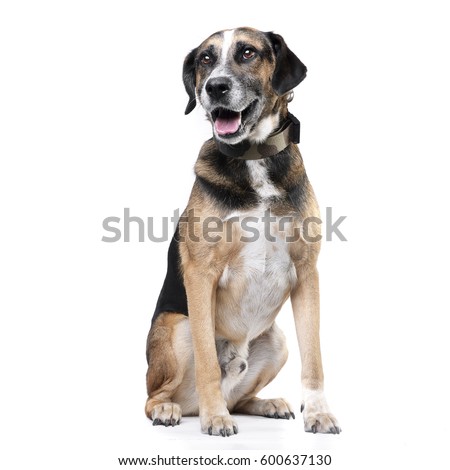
<point x="218" y="87"/>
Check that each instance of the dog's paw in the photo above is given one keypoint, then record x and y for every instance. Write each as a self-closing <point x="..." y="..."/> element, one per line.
<point x="321" y="422"/>
<point x="166" y="414"/>
<point x="219" y="426"/>
<point x="236" y="367"/>
<point x="277" y="408"/>
<point x="317" y="416"/>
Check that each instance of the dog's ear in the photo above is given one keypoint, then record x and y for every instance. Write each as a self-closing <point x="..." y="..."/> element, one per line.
<point x="289" y="70"/>
<point x="189" y="79"/>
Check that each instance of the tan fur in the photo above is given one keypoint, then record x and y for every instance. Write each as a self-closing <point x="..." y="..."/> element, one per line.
<point x="165" y="372"/>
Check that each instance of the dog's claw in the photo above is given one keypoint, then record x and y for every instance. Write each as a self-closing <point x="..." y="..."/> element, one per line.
<point x="302" y="408"/>
<point x="324" y="423"/>
<point x="220" y="425"/>
<point x="293" y="415"/>
<point x="167" y="414"/>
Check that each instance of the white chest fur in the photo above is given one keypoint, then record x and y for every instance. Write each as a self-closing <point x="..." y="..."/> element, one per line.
<point x="260" y="180"/>
<point x="255" y="284"/>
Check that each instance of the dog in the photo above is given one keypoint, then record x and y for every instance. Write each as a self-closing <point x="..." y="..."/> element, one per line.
<point x="213" y="343"/>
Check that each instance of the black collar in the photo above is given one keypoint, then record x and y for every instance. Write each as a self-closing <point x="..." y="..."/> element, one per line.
<point x="288" y="133"/>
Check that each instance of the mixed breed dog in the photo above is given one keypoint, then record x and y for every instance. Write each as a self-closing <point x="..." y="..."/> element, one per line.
<point x="213" y="343"/>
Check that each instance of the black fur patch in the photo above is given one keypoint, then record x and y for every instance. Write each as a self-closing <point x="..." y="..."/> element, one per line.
<point x="172" y="297"/>
<point x="228" y="198"/>
<point x="279" y="170"/>
<point x="279" y="167"/>
<point x="289" y="70"/>
<point x="234" y="190"/>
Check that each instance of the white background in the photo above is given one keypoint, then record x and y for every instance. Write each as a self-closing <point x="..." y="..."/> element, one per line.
<point x="91" y="116"/>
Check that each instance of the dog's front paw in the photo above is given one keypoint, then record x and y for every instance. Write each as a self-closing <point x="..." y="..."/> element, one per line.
<point x="166" y="414"/>
<point x="321" y="422"/>
<point x="219" y="426"/>
<point x="317" y="416"/>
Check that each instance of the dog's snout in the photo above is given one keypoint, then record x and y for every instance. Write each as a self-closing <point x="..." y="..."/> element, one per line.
<point x="218" y="87"/>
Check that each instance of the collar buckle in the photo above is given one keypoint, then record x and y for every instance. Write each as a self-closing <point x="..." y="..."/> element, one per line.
<point x="295" y="129"/>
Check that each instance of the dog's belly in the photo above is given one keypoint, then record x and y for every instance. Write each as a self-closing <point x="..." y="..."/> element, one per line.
<point x="253" y="287"/>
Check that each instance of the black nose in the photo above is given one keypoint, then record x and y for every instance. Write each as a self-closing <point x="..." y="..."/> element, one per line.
<point x="218" y="87"/>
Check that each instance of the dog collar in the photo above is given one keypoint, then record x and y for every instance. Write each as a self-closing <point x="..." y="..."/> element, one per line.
<point x="289" y="133"/>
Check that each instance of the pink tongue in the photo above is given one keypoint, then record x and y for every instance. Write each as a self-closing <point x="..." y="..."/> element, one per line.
<point x="227" y="125"/>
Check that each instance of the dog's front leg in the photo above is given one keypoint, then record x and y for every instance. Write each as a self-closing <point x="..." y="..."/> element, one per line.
<point x="305" y="304"/>
<point x="215" y="418"/>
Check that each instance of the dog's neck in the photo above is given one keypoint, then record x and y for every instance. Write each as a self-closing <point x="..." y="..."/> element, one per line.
<point x="288" y="133"/>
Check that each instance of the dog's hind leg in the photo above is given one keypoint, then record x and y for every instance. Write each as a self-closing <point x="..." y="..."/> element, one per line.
<point x="165" y="369"/>
<point x="267" y="355"/>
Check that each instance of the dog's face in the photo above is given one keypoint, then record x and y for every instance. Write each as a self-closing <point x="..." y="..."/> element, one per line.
<point x="241" y="77"/>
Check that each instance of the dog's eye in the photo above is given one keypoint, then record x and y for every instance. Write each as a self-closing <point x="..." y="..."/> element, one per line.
<point x="248" y="54"/>
<point x="206" y="59"/>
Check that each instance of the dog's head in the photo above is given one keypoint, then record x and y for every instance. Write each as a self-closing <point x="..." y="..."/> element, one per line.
<point x="242" y="78"/>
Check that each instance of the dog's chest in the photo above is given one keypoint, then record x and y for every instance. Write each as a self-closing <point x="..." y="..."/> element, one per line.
<point x="256" y="282"/>
<point x="260" y="181"/>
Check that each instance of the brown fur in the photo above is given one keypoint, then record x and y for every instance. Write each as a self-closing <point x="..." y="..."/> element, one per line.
<point x="163" y="373"/>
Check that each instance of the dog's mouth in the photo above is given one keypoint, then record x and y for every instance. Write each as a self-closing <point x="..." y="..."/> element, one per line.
<point x="228" y="123"/>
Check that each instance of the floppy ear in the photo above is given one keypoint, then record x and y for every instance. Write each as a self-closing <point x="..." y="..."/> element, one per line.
<point x="189" y="79"/>
<point x="289" y="70"/>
